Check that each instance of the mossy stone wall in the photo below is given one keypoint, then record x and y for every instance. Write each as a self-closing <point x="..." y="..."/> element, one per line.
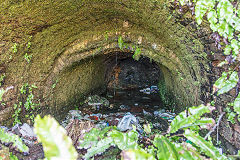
<point x="63" y="33"/>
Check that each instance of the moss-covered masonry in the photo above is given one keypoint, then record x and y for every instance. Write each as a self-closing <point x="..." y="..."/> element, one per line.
<point x="64" y="38"/>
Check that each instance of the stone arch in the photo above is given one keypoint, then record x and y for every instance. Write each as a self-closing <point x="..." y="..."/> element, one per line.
<point x="79" y="51"/>
<point x="64" y="33"/>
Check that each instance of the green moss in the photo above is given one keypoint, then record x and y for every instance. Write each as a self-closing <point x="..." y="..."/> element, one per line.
<point x="56" y="25"/>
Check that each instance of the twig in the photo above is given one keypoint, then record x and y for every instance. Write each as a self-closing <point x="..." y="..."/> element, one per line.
<point x="216" y="125"/>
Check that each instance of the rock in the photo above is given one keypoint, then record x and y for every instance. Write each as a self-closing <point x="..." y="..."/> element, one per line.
<point x="102" y="125"/>
<point x="111" y="106"/>
<point x="96" y="100"/>
<point x="72" y="114"/>
<point x="161" y="125"/>
<point x="27" y="131"/>
<point x="146" y="98"/>
<point x="124" y="107"/>
<point x="16" y="129"/>
<point x="127" y="121"/>
<point x="147" y="114"/>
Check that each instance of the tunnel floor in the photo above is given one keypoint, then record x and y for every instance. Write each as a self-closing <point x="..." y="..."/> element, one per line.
<point x="132" y="87"/>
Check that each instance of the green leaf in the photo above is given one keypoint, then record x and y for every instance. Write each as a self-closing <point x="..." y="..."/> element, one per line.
<point x="182" y="121"/>
<point x="2" y="91"/>
<point x="235" y="47"/>
<point x="147" y="128"/>
<point x="225" y="10"/>
<point x="92" y="137"/>
<point x="228" y="84"/>
<point x="203" y="122"/>
<point x="136" y="154"/>
<point x="223" y="28"/>
<point x="220" y="82"/>
<point x="98" y="141"/>
<point x="56" y="144"/>
<point x="125" y="141"/>
<point x="100" y="147"/>
<point x="227" y="50"/>
<point x="202" y="6"/>
<point x="187" y="151"/>
<point x="166" y="150"/>
<point x="235" y="22"/>
<point x="204" y="145"/>
<point x="137" y="53"/>
<point x="212" y="18"/>
<point x="12" y="138"/>
<point x="120" y="42"/>
<point x="13" y="157"/>
<point x="236" y="104"/>
<point x="231" y="117"/>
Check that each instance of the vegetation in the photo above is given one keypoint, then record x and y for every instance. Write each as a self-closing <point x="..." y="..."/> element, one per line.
<point x="26" y="104"/>
<point x="14" y="139"/>
<point x="164" y="147"/>
<point x="53" y="137"/>
<point x="2" y="78"/>
<point x="137" y="50"/>
<point x="97" y="141"/>
<point x="224" y="20"/>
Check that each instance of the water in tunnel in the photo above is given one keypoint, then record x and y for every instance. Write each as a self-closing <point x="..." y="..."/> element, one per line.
<point x="134" y="84"/>
<point x="130" y="86"/>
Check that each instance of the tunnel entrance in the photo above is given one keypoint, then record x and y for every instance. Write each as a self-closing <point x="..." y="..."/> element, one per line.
<point x="128" y="73"/>
<point x="112" y="83"/>
<point x="131" y="88"/>
<point x="133" y="85"/>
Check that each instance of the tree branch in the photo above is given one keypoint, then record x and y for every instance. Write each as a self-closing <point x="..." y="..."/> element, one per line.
<point x="212" y="130"/>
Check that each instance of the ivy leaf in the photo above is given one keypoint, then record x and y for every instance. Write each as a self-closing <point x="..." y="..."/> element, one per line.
<point x="220" y="82"/>
<point x="235" y="47"/>
<point x="225" y="10"/>
<point x="166" y="150"/>
<point x="137" y="53"/>
<point x="134" y="154"/>
<point x="224" y="28"/>
<point x="204" y="145"/>
<point x="236" y="104"/>
<point x="228" y="84"/>
<point x="120" y="42"/>
<point x="202" y="6"/>
<point x="182" y="121"/>
<point x="200" y="10"/>
<point x="56" y="144"/>
<point x="235" y="22"/>
<point x="212" y="18"/>
<point x="227" y="50"/>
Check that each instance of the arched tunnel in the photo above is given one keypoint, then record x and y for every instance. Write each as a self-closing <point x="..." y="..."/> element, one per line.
<point x="79" y="73"/>
<point x="70" y="49"/>
<point x="74" y="43"/>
